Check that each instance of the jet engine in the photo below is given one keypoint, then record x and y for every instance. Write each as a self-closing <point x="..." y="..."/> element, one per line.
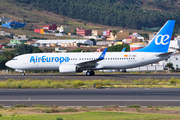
<point x="69" y="69"/>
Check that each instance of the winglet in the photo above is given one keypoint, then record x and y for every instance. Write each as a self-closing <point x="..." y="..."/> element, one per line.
<point x="123" y="49"/>
<point x="101" y="57"/>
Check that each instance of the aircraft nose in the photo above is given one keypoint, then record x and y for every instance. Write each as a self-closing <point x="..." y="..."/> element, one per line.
<point x="8" y="64"/>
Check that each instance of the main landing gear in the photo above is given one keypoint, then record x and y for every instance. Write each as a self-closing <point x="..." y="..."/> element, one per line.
<point x="23" y="73"/>
<point x="90" y="73"/>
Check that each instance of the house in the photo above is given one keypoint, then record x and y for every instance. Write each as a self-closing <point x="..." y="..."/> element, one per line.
<point x="41" y="31"/>
<point x="24" y="37"/>
<point x="106" y="33"/>
<point x="4" y="19"/>
<point x="83" y="32"/>
<point x="58" y="49"/>
<point x="64" y="29"/>
<point x="134" y="38"/>
<point x="17" y="41"/>
<point x="69" y="45"/>
<point x="59" y="42"/>
<point x="2" y="45"/>
<point x="119" y="36"/>
<point x="14" y="24"/>
<point x="3" y="33"/>
<point x="97" y="33"/>
<point x="52" y="27"/>
<point x="174" y="59"/>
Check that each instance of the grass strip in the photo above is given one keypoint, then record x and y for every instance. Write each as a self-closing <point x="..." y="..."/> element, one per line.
<point x="91" y="116"/>
<point x="89" y="84"/>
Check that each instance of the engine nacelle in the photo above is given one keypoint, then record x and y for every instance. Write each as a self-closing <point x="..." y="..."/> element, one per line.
<point x="69" y="69"/>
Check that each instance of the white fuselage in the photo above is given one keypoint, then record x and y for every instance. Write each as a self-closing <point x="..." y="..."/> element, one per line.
<point x="112" y="60"/>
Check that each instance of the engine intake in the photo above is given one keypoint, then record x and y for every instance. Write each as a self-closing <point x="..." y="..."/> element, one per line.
<point x="69" y="69"/>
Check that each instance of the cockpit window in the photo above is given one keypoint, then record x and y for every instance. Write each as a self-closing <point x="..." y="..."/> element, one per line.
<point x="15" y="59"/>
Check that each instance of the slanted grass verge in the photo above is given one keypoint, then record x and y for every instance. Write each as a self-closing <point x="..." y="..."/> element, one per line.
<point x="91" y="116"/>
<point x="131" y="112"/>
<point x="89" y="84"/>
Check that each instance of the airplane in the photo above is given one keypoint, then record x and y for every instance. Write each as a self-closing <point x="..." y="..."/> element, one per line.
<point x="78" y="62"/>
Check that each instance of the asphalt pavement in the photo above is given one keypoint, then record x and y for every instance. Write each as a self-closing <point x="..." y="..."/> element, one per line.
<point x="91" y="97"/>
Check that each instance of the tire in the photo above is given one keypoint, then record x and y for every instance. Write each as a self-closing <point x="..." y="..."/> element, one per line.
<point x="88" y="73"/>
<point x="92" y="72"/>
<point x="22" y="74"/>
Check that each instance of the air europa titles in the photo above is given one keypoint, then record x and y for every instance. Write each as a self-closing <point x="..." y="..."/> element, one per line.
<point x="36" y="59"/>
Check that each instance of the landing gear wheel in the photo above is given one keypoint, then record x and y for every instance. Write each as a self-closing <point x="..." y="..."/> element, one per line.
<point x="22" y="74"/>
<point x="88" y="73"/>
<point x="92" y="72"/>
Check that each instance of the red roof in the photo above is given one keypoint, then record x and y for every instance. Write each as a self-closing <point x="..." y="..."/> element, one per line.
<point x="46" y="26"/>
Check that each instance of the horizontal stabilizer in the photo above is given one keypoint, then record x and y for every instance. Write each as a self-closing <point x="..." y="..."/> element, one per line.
<point x="164" y="54"/>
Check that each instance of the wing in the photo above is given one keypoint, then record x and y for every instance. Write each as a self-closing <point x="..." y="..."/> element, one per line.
<point x="93" y="63"/>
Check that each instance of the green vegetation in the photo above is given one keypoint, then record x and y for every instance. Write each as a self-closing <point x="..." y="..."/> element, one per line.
<point x="121" y="13"/>
<point x="79" y="50"/>
<point x="118" y="48"/>
<point x="19" y="50"/>
<point x="111" y="112"/>
<point x="20" y="105"/>
<point x="91" y="116"/>
<point x="24" y="49"/>
<point x="133" y="106"/>
<point x="40" y="106"/>
<point x="89" y="84"/>
<point x="169" y="65"/>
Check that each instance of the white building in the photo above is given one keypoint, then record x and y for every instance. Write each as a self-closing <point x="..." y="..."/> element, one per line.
<point x="4" y="19"/>
<point x="175" y="43"/>
<point x="174" y="59"/>
<point x="58" y="42"/>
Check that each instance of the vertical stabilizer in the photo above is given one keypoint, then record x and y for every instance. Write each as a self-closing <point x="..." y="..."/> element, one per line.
<point x="161" y="41"/>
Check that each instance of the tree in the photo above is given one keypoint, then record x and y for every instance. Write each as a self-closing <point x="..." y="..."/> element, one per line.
<point x="8" y="55"/>
<point x="77" y="50"/>
<point x="3" y="60"/>
<point x="169" y="66"/>
<point x="118" y="48"/>
<point x="114" y="32"/>
<point x="24" y="49"/>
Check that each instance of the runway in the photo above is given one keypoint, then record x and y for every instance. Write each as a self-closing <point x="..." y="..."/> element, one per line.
<point x="91" y="97"/>
<point x="84" y="77"/>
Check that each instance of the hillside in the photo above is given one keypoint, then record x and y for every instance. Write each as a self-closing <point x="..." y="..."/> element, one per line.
<point x="133" y="14"/>
<point x="37" y="19"/>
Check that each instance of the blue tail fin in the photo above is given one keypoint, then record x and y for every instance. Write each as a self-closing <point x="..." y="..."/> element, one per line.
<point x="160" y="42"/>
